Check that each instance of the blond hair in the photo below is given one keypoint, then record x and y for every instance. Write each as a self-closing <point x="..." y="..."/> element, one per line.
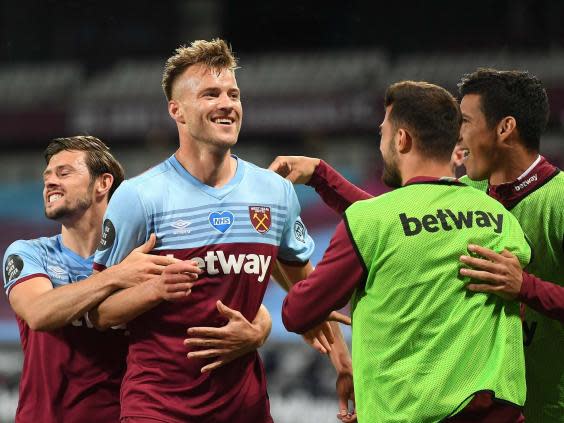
<point x="215" y="54"/>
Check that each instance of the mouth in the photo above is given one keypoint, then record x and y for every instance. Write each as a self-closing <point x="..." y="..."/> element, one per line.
<point x="51" y="198"/>
<point x="225" y="121"/>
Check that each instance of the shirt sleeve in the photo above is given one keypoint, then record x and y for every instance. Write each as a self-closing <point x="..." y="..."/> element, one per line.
<point x="329" y="287"/>
<point x="125" y="227"/>
<point x="545" y="297"/>
<point x="334" y="189"/>
<point x="296" y="245"/>
<point x="21" y="262"/>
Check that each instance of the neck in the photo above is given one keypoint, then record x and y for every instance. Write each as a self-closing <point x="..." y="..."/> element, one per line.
<point x="422" y="166"/>
<point x="213" y="167"/>
<point x="514" y="163"/>
<point x="82" y="233"/>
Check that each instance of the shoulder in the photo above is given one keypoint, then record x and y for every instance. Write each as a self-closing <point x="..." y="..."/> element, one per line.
<point x="557" y="182"/>
<point x="479" y="185"/>
<point x="362" y="209"/>
<point x="145" y="185"/>
<point x="158" y="171"/>
<point x="254" y="170"/>
<point x="549" y="194"/>
<point x="37" y="246"/>
<point x="267" y="178"/>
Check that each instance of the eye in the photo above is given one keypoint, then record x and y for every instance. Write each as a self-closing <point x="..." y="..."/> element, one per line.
<point x="210" y="94"/>
<point x="64" y="172"/>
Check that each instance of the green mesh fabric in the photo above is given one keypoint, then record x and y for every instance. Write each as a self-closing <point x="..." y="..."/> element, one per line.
<point x="481" y="185"/>
<point x="423" y="344"/>
<point x="541" y="215"/>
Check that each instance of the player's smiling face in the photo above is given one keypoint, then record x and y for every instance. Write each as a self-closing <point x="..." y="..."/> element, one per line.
<point x="67" y="186"/>
<point x="209" y="105"/>
<point x="478" y="139"/>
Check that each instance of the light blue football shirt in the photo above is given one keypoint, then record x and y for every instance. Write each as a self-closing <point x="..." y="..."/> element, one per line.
<point x="47" y="257"/>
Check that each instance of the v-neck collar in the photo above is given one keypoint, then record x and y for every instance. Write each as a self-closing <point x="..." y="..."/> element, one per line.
<point x="218" y="193"/>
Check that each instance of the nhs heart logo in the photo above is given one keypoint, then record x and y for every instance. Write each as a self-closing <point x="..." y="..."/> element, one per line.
<point x="221" y="221"/>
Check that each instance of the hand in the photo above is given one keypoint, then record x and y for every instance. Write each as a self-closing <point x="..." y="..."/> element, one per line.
<point x="345" y="393"/>
<point x="297" y="169"/>
<point x="224" y="344"/>
<point x="176" y="280"/>
<point x="140" y="266"/>
<point x="501" y="272"/>
<point x="335" y="316"/>
<point x="320" y="337"/>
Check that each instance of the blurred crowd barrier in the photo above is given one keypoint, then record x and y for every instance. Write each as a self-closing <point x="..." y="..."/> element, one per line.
<point x="287" y="93"/>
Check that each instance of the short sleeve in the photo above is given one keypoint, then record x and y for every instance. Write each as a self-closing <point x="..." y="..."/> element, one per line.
<point x="21" y="262"/>
<point x="124" y="227"/>
<point x="296" y="245"/>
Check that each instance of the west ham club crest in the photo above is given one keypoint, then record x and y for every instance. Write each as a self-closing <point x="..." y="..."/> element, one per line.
<point x="260" y="218"/>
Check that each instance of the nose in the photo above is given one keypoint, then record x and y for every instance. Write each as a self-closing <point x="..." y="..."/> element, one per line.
<point x="50" y="181"/>
<point x="226" y="102"/>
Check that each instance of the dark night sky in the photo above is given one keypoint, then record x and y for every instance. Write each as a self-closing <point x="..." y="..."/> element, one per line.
<point x="99" y="32"/>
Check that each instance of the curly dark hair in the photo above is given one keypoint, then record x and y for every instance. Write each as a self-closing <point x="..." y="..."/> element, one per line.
<point x="510" y="93"/>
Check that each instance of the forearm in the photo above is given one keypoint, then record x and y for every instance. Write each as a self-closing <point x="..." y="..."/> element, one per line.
<point x="287" y="275"/>
<point x="334" y="189"/>
<point x="545" y="297"/>
<point x="60" y="306"/>
<point x="328" y="288"/>
<point x="339" y="354"/>
<point x="263" y="322"/>
<point x="280" y="276"/>
<point x="125" y="305"/>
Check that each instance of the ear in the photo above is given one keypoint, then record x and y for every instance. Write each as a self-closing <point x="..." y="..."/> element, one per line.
<point x="404" y="141"/>
<point x="175" y="111"/>
<point x="103" y="184"/>
<point x="457" y="157"/>
<point x="506" y="128"/>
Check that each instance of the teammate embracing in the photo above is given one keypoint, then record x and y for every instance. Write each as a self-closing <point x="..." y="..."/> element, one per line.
<point x="71" y="371"/>
<point x="424" y="350"/>
<point x="229" y="218"/>
<point x="504" y="115"/>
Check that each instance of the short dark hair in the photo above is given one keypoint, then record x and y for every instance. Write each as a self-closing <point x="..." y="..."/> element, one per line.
<point x="510" y="93"/>
<point x="430" y="112"/>
<point x="98" y="157"/>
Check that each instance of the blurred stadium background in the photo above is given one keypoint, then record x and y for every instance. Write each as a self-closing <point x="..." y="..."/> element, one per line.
<point x="312" y="77"/>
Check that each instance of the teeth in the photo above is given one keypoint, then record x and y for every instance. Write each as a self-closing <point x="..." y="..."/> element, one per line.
<point x="54" y="197"/>
<point x="223" y="121"/>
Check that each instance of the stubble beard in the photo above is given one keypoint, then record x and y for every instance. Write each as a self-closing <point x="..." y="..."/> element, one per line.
<point x="391" y="175"/>
<point x="66" y="211"/>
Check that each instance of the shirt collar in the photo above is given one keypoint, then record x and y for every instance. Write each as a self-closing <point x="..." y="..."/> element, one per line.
<point x="510" y="193"/>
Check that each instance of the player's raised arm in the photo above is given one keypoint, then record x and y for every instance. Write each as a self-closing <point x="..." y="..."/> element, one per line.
<point x="33" y="297"/>
<point x="333" y="188"/>
<point x="175" y="282"/>
<point x="329" y="287"/>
